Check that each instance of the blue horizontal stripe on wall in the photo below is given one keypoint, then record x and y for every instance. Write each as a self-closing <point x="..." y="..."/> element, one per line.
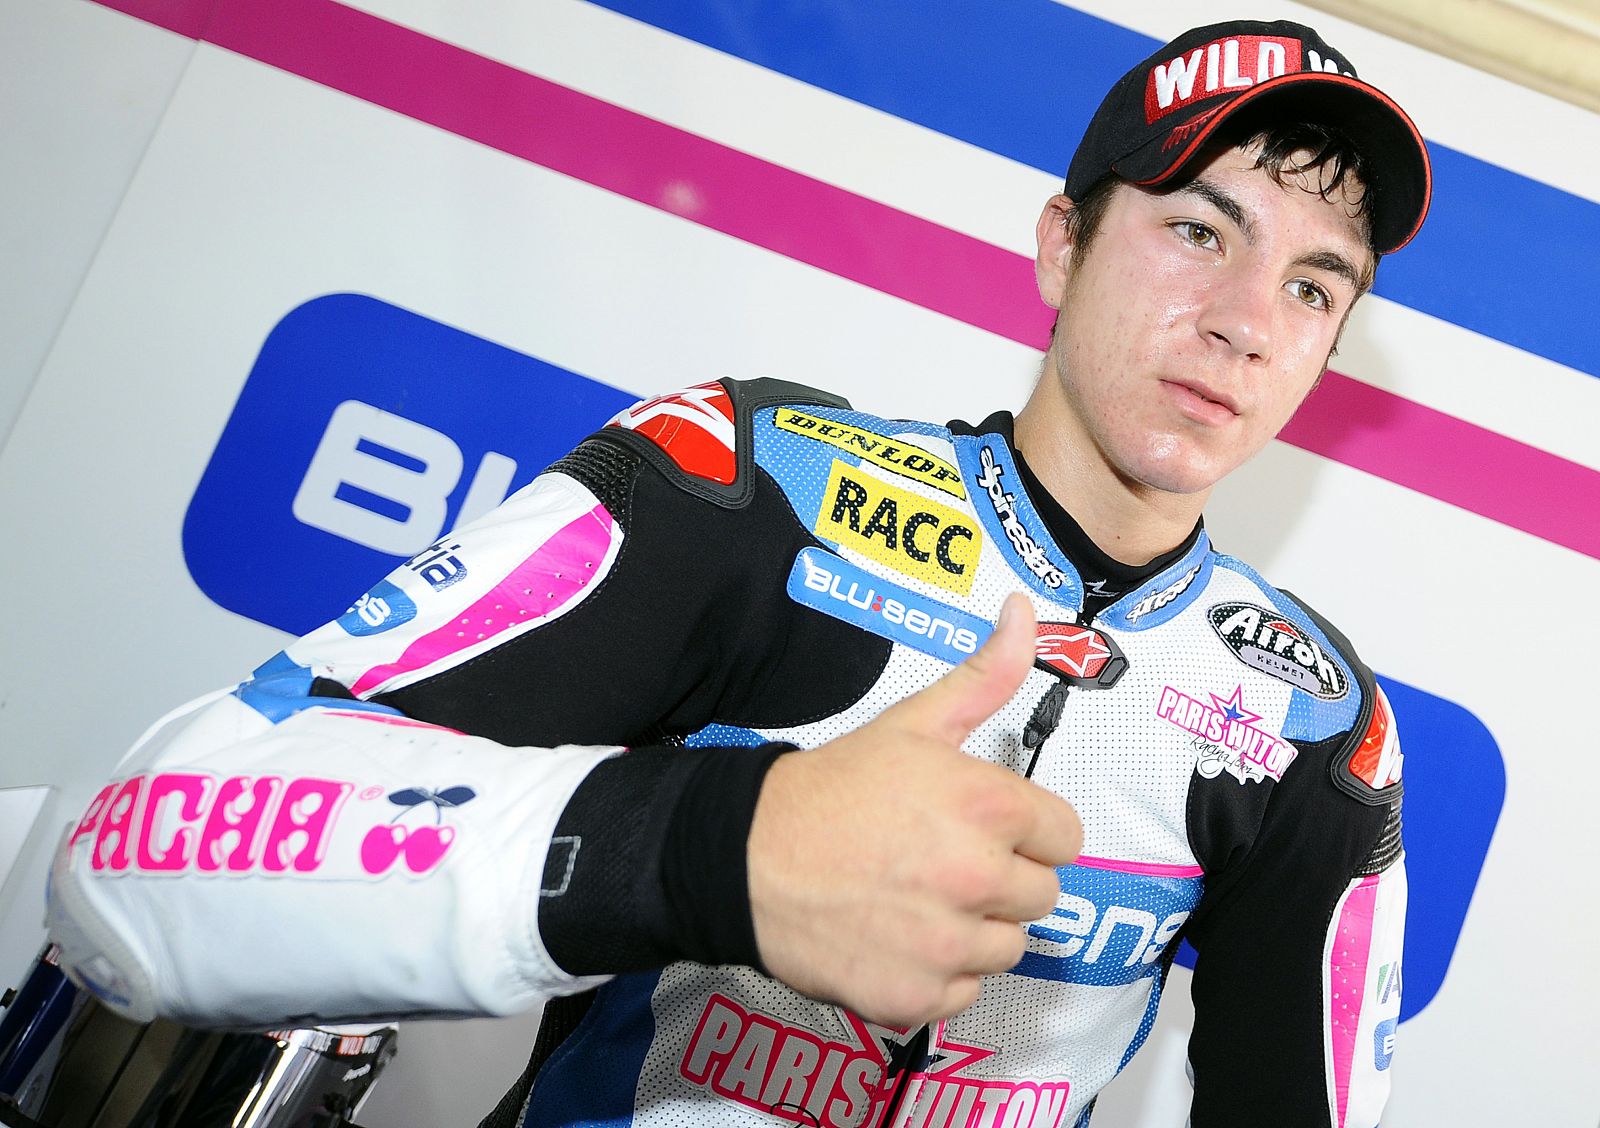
<point x="1502" y="254"/>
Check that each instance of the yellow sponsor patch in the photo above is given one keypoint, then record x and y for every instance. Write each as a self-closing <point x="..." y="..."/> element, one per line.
<point x="902" y="458"/>
<point x="905" y="531"/>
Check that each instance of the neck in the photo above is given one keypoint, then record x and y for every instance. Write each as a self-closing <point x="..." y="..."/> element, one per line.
<point x="1130" y="521"/>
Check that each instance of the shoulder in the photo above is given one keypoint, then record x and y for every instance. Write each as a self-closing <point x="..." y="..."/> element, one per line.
<point x="1336" y="698"/>
<point x="702" y="438"/>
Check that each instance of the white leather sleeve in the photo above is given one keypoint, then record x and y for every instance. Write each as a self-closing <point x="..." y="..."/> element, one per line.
<point x="272" y="854"/>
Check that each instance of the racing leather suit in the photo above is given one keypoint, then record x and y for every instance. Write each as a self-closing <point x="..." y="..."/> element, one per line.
<point x="373" y="824"/>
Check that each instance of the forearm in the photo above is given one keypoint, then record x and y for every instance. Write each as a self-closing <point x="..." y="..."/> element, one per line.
<point x="242" y="872"/>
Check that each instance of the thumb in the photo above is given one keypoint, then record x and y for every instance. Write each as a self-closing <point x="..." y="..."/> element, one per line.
<point x="950" y="708"/>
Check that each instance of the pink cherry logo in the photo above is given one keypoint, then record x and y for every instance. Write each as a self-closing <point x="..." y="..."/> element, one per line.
<point x="381" y="847"/>
<point x="425" y="846"/>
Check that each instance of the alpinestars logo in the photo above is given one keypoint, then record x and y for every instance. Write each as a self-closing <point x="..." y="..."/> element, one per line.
<point x="1155" y="601"/>
<point x="694" y="426"/>
<point x="1005" y="508"/>
<point x="1080" y="655"/>
<point x="1272" y="644"/>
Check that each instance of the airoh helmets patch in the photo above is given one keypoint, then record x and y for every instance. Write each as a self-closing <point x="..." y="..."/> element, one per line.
<point x="1270" y="642"/>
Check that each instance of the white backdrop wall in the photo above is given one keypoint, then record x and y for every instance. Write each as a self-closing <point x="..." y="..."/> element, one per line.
<point x="220" y="221"/>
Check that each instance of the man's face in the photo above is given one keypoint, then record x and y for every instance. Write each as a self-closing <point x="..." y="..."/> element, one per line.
<point x="1197" y="320"/>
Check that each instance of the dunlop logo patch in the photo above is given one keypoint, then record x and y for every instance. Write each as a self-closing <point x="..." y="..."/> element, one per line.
<point x="902" y="458"/>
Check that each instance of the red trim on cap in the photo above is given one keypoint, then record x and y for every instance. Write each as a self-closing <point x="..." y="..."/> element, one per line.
<point x="1227" y="110"/>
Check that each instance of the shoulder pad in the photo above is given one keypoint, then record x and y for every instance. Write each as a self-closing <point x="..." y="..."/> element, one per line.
<point x="699" y="437"/>
<point x="1368" y="768"/>
<point x="1367" y="765"/>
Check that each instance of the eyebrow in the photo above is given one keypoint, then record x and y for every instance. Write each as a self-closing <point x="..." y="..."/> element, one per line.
<point x="1329" y="260"/>
<point x="1334" y="263"/>
<point x="1224" y="203"/>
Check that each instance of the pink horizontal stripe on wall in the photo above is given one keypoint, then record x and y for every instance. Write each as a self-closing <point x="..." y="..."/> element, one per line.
<point x="186" y="17"/>
<point x="1483" y="471"/>
<point x="827" y="227"/>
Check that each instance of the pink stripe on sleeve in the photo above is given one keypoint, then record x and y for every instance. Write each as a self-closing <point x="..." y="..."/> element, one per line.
<point x="1347" y="980"/>
<point x="1148" y="869"/>
<point x="539" y="586"/>
<point x="388" y="719"/>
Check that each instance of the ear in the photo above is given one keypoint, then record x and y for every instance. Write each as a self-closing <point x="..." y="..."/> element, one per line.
<point x="1055" y="250"/>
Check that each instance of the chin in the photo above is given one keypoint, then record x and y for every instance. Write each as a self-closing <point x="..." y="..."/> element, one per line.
<point x="1172" y="467"/>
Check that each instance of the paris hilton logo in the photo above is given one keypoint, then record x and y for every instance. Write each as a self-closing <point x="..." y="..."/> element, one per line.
<point x="421" y="847"/>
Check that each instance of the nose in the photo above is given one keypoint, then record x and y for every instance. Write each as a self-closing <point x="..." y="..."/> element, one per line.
<point x="1238" y="317"/>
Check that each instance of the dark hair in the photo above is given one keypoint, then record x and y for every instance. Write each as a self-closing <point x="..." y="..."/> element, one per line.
<point x="1334" y="159"/>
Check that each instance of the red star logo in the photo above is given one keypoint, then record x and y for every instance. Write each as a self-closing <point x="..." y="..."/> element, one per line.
<point x="1077" y="651"/>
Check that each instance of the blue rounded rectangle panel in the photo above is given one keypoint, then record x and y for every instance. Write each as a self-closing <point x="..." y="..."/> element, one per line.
<point x="363" y="433"/>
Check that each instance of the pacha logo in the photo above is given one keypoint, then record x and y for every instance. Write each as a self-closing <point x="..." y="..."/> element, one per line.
<point x="186" y="822"/>
<point x="1272" y="644"/>
<point x="895" y="455"/>
<point x="422" y="847"/>
<point x="363" y="434"/>
<point x="895" y="527"/>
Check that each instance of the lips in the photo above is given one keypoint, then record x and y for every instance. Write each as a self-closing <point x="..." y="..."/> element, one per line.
<point x="1205" y="397"/>
<point x="1208" y="393"/>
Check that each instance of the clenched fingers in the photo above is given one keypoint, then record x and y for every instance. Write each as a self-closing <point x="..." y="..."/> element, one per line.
<point x="1053" y="834"/>
<point x="1026" y="891"/>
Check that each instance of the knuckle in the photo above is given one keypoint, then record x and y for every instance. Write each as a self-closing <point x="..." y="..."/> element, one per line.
<point x="908" y="1001"/>
<point x="1003" y="946"/>
<point x="945" y="946"/>
<point x="994" y="802"/>
<point x="972" y="881"/>
<point x="1044" y="892"/>
<point x="961" y="995"/>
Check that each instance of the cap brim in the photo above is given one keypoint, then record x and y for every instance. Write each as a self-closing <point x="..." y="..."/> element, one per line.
<point x="1393" y="150"/>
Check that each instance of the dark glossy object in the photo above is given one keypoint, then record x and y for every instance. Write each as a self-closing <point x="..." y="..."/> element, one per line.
<point x="68" y="1062"/>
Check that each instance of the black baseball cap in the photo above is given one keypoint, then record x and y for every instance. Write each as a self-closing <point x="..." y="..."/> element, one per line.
<point x="1155" y="122"/>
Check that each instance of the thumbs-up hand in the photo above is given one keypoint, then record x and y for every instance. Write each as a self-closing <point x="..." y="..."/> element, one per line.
<point x="889" y="870"/>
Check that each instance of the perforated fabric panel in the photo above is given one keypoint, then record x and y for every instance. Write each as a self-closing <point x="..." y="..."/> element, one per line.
<point x="1174" y="735"/>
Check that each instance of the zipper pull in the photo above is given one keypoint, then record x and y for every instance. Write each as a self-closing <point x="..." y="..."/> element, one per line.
<point x="1046" y="716"/>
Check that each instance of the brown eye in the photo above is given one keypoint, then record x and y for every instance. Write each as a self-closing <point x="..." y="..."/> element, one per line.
<point x="1310" y="293"/>
<point x="1197" y="234"/>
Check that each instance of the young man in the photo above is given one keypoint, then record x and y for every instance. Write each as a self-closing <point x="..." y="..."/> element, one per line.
<point x="907" y="923"/>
